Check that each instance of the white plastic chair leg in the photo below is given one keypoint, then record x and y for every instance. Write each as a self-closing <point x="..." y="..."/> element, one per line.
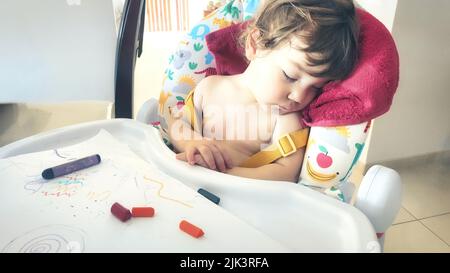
<point x="379" y="197"/>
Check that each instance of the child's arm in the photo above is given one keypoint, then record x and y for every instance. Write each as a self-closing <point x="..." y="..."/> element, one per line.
<point x="183" y="127"/>
<point x="285" y="168"/>
<point x="189" y="142"/>
<point x="181" y="131"/>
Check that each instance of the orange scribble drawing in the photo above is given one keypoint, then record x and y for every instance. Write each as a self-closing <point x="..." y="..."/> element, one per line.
<point x="165" y="197"/>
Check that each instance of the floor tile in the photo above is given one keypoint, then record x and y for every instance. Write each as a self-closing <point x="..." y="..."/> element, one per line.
<point x="439" y="225"/>
<point x="413" y="237"/>
<point x="403" y="216"/>
<point x="426" y="185"/>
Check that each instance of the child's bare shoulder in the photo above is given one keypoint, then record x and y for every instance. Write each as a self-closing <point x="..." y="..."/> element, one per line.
<point x="213" y="84"/>
<point x="286" y="124"/>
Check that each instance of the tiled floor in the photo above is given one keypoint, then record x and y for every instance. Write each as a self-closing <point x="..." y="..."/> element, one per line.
<point x="423" y="223"/>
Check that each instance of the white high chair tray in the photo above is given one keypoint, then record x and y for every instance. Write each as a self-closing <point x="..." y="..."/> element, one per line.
<point x="285" y="216"/>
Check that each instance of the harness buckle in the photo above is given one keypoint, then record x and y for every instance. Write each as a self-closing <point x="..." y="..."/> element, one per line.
<point x="286" y="150"/>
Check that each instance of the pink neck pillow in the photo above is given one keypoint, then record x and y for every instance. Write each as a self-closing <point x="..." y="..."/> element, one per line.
<point x="364" y="95"/>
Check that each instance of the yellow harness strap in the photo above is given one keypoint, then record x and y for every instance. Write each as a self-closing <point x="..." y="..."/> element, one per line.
<point x="286" y="145"/>
<point x="189" y="109"/>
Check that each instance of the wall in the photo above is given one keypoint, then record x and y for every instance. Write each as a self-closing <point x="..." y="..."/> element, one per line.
<point x="417" y="123"/>
<point x="54" y="51"/>
<point x="39" y="56"/>
<point x="383" y="10"/>
<point x="149" y="71"/>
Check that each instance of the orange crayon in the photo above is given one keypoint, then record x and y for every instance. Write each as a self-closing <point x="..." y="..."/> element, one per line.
<point x="191" y="229"/>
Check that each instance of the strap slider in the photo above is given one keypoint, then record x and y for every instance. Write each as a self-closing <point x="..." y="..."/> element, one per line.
<point x="286" y="145"/>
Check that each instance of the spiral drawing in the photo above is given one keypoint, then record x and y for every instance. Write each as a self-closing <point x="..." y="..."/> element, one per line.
<point x="48" y="239"/>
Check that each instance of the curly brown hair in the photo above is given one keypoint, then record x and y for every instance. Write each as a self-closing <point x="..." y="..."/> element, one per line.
<point x="326" y="27"/>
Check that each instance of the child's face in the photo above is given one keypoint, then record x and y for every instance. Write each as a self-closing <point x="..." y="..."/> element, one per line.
<point x="280" y="77"/>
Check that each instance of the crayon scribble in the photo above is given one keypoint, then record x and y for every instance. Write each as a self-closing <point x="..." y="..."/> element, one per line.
<point x="34" y="185"/>
<point x="98" y="196"/>
<point x="165" y="197"/>
<point x="48" y="239"/>
<point x="67" y="185"/>
<point x="65" y="157"/>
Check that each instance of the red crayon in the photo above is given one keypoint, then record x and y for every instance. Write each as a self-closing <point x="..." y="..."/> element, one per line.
<point x="142" y="212"/>
<point x="120" y="212"/>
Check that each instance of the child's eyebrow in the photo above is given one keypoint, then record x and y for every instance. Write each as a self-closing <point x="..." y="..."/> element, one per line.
<point x="302" y="68"/>
<point x="297" y="65"/>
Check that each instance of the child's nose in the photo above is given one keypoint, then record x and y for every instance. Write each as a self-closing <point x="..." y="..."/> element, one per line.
<point x="294" y="96"/>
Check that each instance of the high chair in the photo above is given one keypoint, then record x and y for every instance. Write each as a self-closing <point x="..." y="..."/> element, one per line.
<point x="379" y="194"/>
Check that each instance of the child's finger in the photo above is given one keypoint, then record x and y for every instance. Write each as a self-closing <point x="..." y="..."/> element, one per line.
<point x="226" y="157"/>
<point x="181" y="156"/>
<point x="207" y="156"/>
<point x="220" y="162"/>
<point x="228" y="160"/>
<point x="199" y="161"/>
<point x="190" y="155"/>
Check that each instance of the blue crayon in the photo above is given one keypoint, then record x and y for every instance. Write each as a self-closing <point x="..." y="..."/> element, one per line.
<point x="71" y="167"/>
<point x="213" y="198"/>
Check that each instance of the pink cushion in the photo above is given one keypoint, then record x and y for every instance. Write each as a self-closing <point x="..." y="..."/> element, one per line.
<point x="224" y="45"/>
<point x="366" y="94"/>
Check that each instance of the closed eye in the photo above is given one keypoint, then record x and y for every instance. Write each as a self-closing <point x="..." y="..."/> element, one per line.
<point x="289" y="78"/>
<point x="317" y="89"/>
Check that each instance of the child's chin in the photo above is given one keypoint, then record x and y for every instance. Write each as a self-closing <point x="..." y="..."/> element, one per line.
<point x="287" y="111"/>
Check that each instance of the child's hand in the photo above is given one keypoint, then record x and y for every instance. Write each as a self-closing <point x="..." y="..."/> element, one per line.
<point x="206" y="153"/>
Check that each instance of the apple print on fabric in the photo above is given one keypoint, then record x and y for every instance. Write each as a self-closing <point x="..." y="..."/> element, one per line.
<point x="323" y="160"/>
<point x="180" y="102"/>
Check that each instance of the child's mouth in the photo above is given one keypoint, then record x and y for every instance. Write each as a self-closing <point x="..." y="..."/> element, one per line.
<point x="288" y="108"/>
<point x="284" y="110"/>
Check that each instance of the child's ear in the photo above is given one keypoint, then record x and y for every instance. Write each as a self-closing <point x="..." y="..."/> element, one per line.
<point x="251" y="44"/>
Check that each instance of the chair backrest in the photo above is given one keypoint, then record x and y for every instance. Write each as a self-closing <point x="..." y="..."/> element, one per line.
<point x="129" y="47"/>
